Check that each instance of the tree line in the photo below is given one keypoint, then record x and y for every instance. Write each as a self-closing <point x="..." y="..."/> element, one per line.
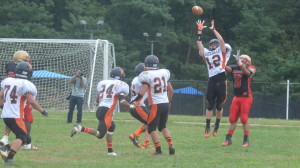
<point x="267" y="30"/>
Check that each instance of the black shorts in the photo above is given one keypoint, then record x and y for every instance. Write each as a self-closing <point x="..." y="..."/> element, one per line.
<point x="158" y="116"/>
<point x="216" y="93"/>
<point x="106" y="124"/>
<point x="17" y="126"/>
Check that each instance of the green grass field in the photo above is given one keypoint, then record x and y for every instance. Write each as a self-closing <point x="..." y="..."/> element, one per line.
<point x="273" y="143"/>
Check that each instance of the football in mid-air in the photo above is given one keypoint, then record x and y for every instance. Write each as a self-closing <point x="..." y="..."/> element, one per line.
<point x="197" y="10"/>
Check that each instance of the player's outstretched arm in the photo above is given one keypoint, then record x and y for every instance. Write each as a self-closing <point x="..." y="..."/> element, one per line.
<point x="35" y="104"/>
<point x="218" y="36"/>
<point x="200" y="27"/>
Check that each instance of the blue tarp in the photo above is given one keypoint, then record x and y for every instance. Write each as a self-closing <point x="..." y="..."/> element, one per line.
<point x="48" y="74"/>
<point x="188" y="90"/>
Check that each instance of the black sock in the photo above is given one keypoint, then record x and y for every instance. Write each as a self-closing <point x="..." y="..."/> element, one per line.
<point x="217" y="123"/>
<point x="110" y="150"/>
<point x="245" y="138"/>
<point x="8" y="146"/>
<point x="208" y="123"/>
<point x="11" y="154"/>
<point x="157" y="147"/>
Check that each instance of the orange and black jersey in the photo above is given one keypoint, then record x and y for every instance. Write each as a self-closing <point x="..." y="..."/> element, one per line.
<point x="10" y="69"/>
<point x="242" y="83"/>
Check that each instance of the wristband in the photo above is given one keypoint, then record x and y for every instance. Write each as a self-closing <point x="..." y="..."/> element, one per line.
<point x="199" y="37"/>
<point x="138" y="97"/>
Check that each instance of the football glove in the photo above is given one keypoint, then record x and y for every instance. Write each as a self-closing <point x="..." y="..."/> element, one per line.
<point x="200" y="25"/>
<point x="45" y="113"/>
<point x="237" y="58"/>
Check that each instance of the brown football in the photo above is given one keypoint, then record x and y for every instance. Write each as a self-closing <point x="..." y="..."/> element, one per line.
<point x="197" y="10"/>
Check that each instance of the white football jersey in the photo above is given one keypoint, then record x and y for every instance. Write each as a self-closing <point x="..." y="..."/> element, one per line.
<point x="109" y="90"/>
<point x="216" y="60"/>
<point x="15" y="100"/>
<point x="135" y="89"/>
<point x="157" y="80"/>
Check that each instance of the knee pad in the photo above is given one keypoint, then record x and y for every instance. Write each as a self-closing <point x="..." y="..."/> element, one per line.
<point x="150" y="129"/>
<point x="23" y="138"/>
<point x="100" y="136"/>
<point x="244" y="120"/>
<point x="161" y="128"/>
<point x="232" y="120"/>
<point x="219" y="107"/>
<point x="210" y="106"/>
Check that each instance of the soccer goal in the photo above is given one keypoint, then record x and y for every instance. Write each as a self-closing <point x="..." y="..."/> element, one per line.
<point x="54" y="61"/>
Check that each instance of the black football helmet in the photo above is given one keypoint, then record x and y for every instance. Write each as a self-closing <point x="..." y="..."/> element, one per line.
<point x="117" y="73"/>
<point x="151" y="62"/>
<point x="23" y="70"/>
<point x="214" y="41"/>
<point x="139" y="68"/>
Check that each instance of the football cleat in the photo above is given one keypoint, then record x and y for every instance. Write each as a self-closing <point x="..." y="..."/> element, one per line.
<point x="8" y="162"/>
<point x="227" y="140"/>
<point x="112" y="154"/>
<point x="134" y="140"/>
<point x="214" y="133"/>
<point x="3" y="142"/>
<point x="171" y="150"/>
<point x="227" y="143"/>
<point x="77" y="128"/>
<point x="206" y="134"/>
<point x="245" y="144"/>
<point x="156" y="153"/>
<point x="3" y="152"/>
<point x="147" y="146"/>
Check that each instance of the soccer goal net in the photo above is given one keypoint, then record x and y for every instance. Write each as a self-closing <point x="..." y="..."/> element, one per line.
<point x="54" y="62"/>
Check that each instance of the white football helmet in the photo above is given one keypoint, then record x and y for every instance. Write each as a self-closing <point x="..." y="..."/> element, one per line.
<point x="245" y="59"/>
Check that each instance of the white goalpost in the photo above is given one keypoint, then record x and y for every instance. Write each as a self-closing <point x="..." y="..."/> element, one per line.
<point x="54" y="61"/>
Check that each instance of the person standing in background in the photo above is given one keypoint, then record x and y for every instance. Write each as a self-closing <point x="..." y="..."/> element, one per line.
<point x="78" y="82"/>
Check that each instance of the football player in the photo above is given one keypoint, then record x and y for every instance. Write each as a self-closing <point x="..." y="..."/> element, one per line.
<point x="109" y="92"/>
<point x="215" y="58"/>
<point x="140" y="111"/>
<point x="156" y="82"/>
<point x="19" y="56"/>
<point x="241" y="74"/>
<point x="13" y="97"/>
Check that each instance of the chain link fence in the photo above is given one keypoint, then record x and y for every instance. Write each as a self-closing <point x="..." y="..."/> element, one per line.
<point x="270" y="99"/>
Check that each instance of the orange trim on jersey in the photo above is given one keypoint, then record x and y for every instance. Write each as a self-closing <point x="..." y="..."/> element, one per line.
<point x="149" y="96"/>
<point x="21" y="124"/>
<point x="224" y="60"/>
<point x="152" y="113"/>
<point x="22" y="106"/>
<point x="140" y="111"/>
<point x="226" y="83"/>
<point x="109" y="113"/>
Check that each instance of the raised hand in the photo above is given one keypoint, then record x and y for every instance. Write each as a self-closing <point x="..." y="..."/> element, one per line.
<point x="237" y="56"/>
<point x="212" y="27"/>
<point x="200" y="25"/>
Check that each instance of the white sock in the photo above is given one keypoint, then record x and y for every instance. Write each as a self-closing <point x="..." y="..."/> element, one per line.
<point x="5" y="138"/>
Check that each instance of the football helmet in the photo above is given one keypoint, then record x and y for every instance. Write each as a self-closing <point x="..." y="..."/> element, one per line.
<point x="20" y="56"/>
<point x="151" y="62"/>
<point x="23" y="70"/>
<point x="139" y="68"/>
<point x="117" y="73"/>
<point x="245" y="59"/>
<point x="214" y="41"/>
